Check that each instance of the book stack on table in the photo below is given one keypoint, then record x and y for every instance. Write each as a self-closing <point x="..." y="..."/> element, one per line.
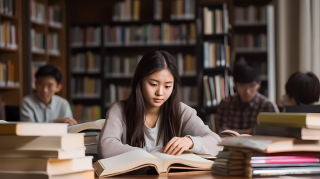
<point x="42" y="151"/>
<point x="282" y="144"/>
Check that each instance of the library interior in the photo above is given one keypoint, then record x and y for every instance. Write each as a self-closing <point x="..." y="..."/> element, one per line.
<point x="159" y="88"/>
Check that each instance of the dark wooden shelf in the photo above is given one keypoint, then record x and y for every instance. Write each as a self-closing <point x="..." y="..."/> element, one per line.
<point x="38" y="53"/>
<point x="152" y="46"/>
<point x="39" y="24"/>
<point x="8" y="16"/>
<point x="8" y="49"/>
<point x="214" y="71"/>
<point x="9" y="88"/>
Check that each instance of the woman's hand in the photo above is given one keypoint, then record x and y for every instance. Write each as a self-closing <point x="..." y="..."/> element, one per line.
<point x="177" y="145"/>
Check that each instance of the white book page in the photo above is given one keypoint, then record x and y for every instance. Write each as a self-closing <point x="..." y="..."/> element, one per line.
<point x="186" y="158"/>
<point x="128" y="161"/>
<point x="98" y="124"/>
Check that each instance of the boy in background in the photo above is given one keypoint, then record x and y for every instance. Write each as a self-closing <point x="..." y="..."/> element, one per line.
<point x="239" y="112"/>
<point x="44" y="105"/>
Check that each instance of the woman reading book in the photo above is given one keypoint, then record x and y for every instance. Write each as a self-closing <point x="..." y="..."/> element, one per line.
<point x="153" y="117"/>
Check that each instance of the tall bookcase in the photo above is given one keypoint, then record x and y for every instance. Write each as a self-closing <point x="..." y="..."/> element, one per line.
<point x="104" y="17"/>
<point x="11" y="89"/>
<point x="46" y="42"/>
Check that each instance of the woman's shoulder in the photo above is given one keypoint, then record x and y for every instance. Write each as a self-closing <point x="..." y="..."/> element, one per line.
<point x="185" y="109"/>
<point x="116" y="108"/>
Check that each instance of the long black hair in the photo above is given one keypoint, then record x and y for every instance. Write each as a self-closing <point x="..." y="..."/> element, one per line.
<point x="152" y="62"/>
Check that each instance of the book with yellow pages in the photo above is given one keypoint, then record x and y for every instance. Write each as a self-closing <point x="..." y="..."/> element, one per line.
<point x="88" y="126"/>
<point x="162" y="162"/>
<point x="308" y="120"/>
<point x="33" y="129"/>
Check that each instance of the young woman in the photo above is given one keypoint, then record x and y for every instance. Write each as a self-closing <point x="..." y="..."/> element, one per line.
<point x="153" y="117"/>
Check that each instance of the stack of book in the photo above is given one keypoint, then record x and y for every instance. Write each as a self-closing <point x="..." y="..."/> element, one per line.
<point x="53" y="44"/>
<point x="183" y="9"/>
<point x="37" y="12"/>
<point x="91" y="132"/>
<point x="8" y="7"/>
<point x="126" y="11"/>
<point x="282" y="144"/>
<point x="86" y="63"/>
<point x="8" y="35"/>
<point x="216" y="55"/>
<point x="216" y="21"/>
<point x="115" y="93"/>
<point x="115" y="66"/>
<point x="186" y="65"/>
<point x="85" y="87"/>
<point x="38" y="41"/>
<point x="42" y="150"/>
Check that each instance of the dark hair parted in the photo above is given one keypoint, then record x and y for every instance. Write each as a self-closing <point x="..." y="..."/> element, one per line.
<point x="152" y="62"/>
<point x="243" y="73"/>
<point x="303" y="87"/>
<point x="49" y="71"/>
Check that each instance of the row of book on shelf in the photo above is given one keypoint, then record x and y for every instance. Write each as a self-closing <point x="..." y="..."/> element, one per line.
<point x="85" y="87"/>
<point x="7" y="74"/>
<point x="39" y="42"/>
<point x="115" y="66"/>
<point x="86" y="62"/>
<point x="165" y="34"/>
<point x="8" y="7"/>
<point x="250" y="14"/>
<point x="183" y="9"/>
<point x="215" y="21"/>
<point x="250" y="41"/>
<point x="114" y="93"/>
<point x="38" y="14"/>
<point x="84" y="114"/>
<point x="216" y="88"/>
<point x="216" y="55"/>
<point x="8" y="35"/>
<point x="281" y="144"/>
<point x="128" y="10"/>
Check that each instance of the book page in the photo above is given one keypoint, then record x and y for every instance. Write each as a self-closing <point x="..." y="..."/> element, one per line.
<point x="126" y="162"/>
<point x="187" y="158"/>
<point x="88" y="125"/>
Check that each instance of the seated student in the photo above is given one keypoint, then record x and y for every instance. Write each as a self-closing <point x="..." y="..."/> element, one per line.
<point x="153" y="117"/>
<point x="43" y="105"/>
<point x="239" y="112"/>
<point x="301" y="89"/>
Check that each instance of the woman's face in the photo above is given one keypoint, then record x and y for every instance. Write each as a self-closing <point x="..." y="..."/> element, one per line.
<point x="157" y="88"/>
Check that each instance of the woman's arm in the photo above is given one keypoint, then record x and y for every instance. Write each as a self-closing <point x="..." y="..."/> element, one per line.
<point x="204" y="140"/>
<point x="110" y="143"/>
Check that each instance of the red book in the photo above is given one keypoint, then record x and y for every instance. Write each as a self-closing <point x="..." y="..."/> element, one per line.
<point x="288" y="160"/>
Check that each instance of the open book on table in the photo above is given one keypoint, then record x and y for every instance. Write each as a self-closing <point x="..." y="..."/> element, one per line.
<point x="88" y="126"/>
<point x="162" y="162"/>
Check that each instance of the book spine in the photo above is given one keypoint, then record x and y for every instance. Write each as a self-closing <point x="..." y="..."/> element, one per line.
<point x="277" y="131"/>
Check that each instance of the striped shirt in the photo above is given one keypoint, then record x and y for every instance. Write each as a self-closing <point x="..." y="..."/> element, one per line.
<point x="232" y="113"/>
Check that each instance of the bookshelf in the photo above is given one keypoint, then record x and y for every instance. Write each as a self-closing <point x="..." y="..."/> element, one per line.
<point x="11" y="63"/>
<point x="254" y="39"/>
<point x="46" y="26"/>
<point x="119" y="57"/>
